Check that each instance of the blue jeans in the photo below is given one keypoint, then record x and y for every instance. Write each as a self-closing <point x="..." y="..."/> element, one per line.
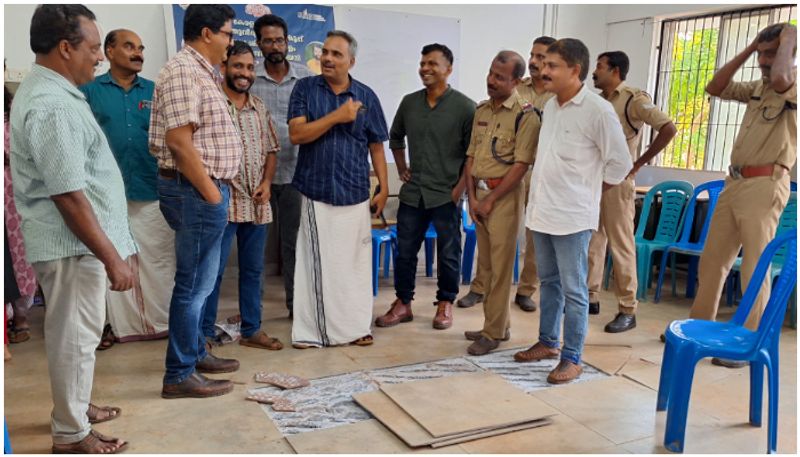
<point x="198" y="227"/>
<point x="563" y="265"/>
<point x="412" y="223"/>
<point x="250" y="241"/>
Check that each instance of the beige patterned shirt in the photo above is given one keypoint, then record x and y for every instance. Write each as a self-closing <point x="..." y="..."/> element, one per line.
<point x="187" y="93"/>
<point x="259" y="139"/>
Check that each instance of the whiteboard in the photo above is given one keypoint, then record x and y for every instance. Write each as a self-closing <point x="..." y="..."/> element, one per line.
<point x="389" y="46"/>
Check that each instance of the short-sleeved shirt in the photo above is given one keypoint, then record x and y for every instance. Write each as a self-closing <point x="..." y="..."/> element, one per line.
<point x="187" y="93"/>
<point x="124" y="116"/>
<point x="640" y="110"/>
<point x="276" y="96"/>
<point x="57" y="147"/>
<point x="259" y="140"/>
<point x="334" y="169"/>
<point x="438" y="139"/>
<point x="497" y="129"/>
<point x="768" y="133"/>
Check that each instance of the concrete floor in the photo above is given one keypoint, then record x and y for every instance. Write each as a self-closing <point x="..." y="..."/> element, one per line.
<point x="611" y="415"/>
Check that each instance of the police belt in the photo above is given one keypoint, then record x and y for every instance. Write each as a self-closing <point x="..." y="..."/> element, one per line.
<point x="750" y="171"/>
<point x="489" y="183"/>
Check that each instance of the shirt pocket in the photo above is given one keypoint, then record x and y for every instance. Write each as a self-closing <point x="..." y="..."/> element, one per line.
<point x="572" y="145"/>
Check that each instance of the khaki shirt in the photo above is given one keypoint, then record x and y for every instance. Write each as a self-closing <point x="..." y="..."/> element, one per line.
<point x="769" y="128"/>
<point x="536" y="99"/>
<point x="497" y="126"/>
<point x="641" y="110"/>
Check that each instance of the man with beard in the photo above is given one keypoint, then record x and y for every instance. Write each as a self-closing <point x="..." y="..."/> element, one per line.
<point x="337" y="121"/>
<point x="757" y="188"/>
<point x="438" y="123"/>
<point x="274" y="83"/>
<point x="502" y="147"/>
<point x="249" y="208"/>
<point x="617" y="211"/>
<point x="582" y="152"/>
<point x="532" y="90"/>
<point x="121" y="101"/>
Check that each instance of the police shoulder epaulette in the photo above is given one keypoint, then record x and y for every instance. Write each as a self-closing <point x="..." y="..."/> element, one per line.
<point x="484" y="102"/>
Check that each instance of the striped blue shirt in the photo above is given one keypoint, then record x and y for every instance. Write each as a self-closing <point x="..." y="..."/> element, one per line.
<point x="334" y="169"/>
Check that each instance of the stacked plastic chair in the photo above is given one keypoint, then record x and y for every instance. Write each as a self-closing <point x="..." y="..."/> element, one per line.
<point x="684" y="245"/>
<point x="690" y="340"/>
<point x="380" y="237"/>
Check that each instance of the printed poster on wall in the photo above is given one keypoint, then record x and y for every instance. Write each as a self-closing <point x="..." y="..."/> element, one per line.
<point x="308" y="25"/>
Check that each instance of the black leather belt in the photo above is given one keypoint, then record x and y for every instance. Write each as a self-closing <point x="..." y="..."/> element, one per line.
<point x="173" y="174"/>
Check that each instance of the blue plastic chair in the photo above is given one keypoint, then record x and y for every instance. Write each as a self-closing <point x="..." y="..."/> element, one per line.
<point x="690" y="340"/>
<point x="674" y="195"/>
<point x="6" y="439"/>
<point x="430" y="242"/>
<point x="684" y="245"/>
<point x="468" y="256"/>
<point x="379" y="238"/>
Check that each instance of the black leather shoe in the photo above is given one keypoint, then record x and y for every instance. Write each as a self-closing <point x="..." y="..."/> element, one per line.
<point x="727" y="363"/>
<point x="525" y="303"/>
<point x="663" y="338"/>
<point x="621" y="323"/>
<point x="594" y="308"/>
<point x="469" y="300"/>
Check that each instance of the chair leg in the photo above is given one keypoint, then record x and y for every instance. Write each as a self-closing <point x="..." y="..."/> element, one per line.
<point x="756" y="392"/>
<point x="468" y="258"/>
<point x="428" y="257"/>
<point x="607" y="273"/>
<point x="664" y="381"/>
<point x="673" y="275"/>
<point x="691" y="280"/>
<point x="772" y="369"/>
<point x="515" y="278"/>
<point x="678" y="403"/>
<point x="664" y="256"/>
<point x="387" y="258"/>
<point x="376" y="250"/>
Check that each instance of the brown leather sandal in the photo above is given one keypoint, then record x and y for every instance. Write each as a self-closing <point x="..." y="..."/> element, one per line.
<point x="364" y="341"/>
<point x="94" y="411"/>
<point x="108" y="339"/>
<point x="92" y="444"/>
<point x="262" y="341"/>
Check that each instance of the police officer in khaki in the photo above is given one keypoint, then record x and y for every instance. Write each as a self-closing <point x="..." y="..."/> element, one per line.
<point x="532" y="90"/>
<point x="617" y="212"/>
<point x="502" y="147"/>
<point x="757" y="188"/>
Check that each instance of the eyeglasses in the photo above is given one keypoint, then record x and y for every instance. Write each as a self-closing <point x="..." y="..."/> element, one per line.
<point x="268" y="42"/>
<point x="230" y="34"/>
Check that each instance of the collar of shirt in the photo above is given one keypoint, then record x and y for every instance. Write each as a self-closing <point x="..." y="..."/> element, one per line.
<point x="507" y="104"/>
<point x="577" y="99"/>
<point x="248" y="104"/>
<point x="618" y="90"/>
<point x="261" y="72"/>
<point x="106" y="78"/>
<point x="446" y="92"/>
<point x="57" y="78"/>
<point x="201" y="60"/>
<point x="321" y="81"/>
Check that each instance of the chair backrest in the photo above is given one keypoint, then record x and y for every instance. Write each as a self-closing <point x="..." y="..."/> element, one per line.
<point x="775" y="310"/>
<point x="466" y="222"/>
<point x="674" y="195"/>
<point x="788" y="221"/>
<point x="713" y="188"/>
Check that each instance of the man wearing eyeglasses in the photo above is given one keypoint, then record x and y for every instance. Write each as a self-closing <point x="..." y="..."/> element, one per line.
<point x="617" y="211"/>
<point x="274" y="83"/>
<point x="199" y="150"/>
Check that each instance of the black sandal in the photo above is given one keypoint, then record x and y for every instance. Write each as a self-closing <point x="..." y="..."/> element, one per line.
<point x="108" y="339"/>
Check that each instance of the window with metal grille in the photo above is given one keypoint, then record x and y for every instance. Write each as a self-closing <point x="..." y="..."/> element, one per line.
<point x="690" y="52"/>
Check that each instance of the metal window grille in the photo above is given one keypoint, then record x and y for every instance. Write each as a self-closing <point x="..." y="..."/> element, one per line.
<point x="691" y="50"/>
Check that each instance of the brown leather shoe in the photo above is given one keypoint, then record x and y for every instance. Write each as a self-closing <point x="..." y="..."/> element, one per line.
<point x="564" y="372"/>
<point x="261" y="340"/>
<point x="475" y="335"/>
<point x="399" y="312"/>
<point x="197" y="386"/>
<point x="537" y="352"/>
<point x="214" y="364"/>
<point x="444" y="315"/>
<point x="483" y="346"/>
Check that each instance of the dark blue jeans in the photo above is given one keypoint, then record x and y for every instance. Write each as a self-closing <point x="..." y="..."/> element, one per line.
<point x="412" y="223"/>
<point x="198" y="227"/>
<point x="250" y="241"/>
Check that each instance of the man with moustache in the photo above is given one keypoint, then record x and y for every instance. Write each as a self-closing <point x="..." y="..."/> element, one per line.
<point x="249" y="210"/>
<point x="120" y="101"/>
<point x="70" y="195"/>
<point x="757" y="186"/>
<point x="438" y="123"/>
<point x="274" y="83"/>
<point x="617" y="211"/>
<point x="199" y="149"/>
<point x="337" y="121"/>
<point x="532" y="90"/>
<point x="502" y="147"/>
<point x="582" y="152"/>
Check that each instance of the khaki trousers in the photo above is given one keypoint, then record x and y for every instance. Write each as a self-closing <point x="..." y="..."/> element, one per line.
<point x="617" y="211"/>
<point x="746" y="217"/>
<point x="497" y="240"/>
<point x="75" y="291"/>
<point x="529" y="277"/>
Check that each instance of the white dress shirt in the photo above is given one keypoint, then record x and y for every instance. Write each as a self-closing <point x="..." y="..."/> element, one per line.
<point x="581" y="144"/>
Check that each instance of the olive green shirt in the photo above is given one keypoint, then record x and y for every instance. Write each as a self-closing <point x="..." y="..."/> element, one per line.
<point x="438" y="138"/>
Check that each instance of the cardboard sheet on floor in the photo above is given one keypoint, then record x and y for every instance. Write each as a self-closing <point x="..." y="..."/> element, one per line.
<point x="466" y="403"/>
<point x="608" y="359"/>
<point x="411" y="432"/>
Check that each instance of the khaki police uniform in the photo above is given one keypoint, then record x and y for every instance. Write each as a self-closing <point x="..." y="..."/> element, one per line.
<point x="513" y="141"/>
<point x="748" y="209"/>
<point x="529" y="279"/>
<point x="617" y="210"/>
